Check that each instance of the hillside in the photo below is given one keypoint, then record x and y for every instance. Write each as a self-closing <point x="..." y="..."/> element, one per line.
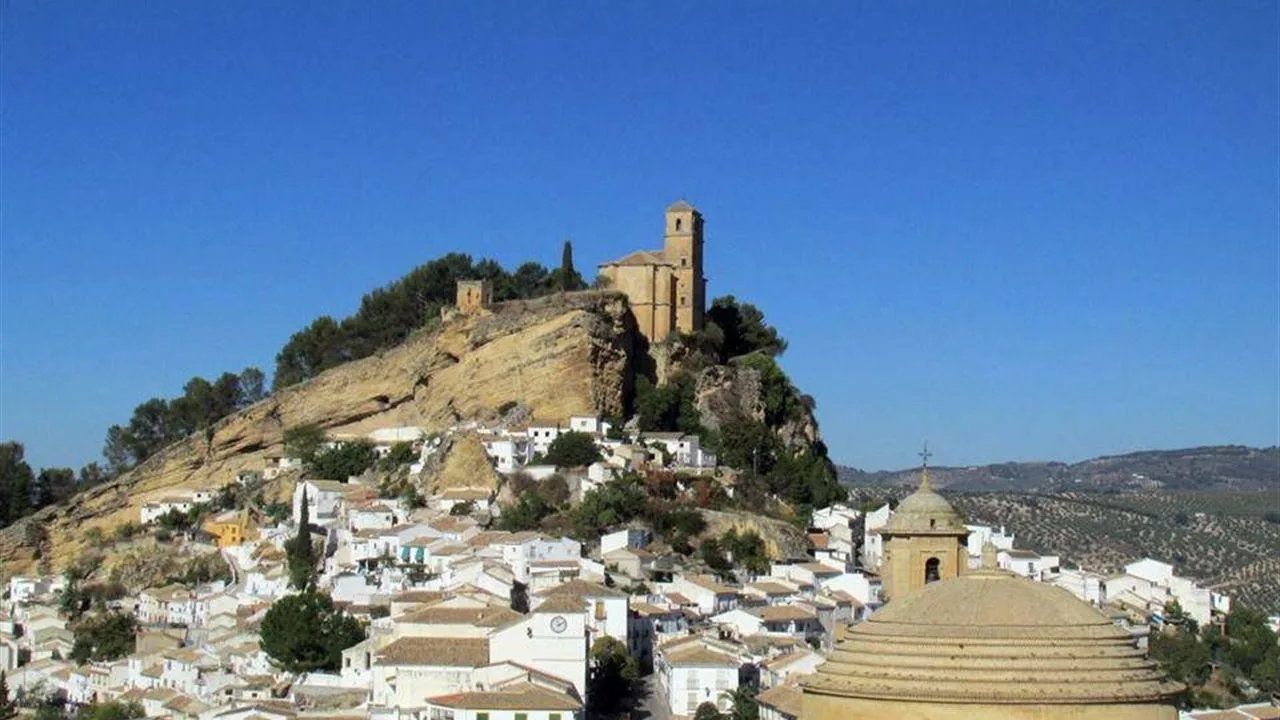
<point x="1218" y="468"/>
<point x="565" y="354"/>
<point x="559" y="355"/>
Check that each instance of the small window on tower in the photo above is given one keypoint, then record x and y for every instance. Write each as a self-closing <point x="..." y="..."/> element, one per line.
<point x="684" y="261"/>
<point x="679" y="222"/>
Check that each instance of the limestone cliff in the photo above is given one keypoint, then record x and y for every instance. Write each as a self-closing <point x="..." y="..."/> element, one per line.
<point x="559" y="355"/>
<point x="781" y="539"/>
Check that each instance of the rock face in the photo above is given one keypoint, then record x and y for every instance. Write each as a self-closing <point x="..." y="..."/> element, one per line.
<point x="464" y="464"/>
<point x="560" y="355"/>
<point x="723" y="391"/>
<point x="782" y="540"/>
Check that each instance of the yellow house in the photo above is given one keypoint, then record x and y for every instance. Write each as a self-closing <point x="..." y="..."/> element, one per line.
<point x="231" y="528"/>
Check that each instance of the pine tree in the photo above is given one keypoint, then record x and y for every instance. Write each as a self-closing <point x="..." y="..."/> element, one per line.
<point x="566" y="267"/>
<point x="302" y="561"/>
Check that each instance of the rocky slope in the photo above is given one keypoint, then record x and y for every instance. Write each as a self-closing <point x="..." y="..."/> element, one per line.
<point x="559" y="356"/>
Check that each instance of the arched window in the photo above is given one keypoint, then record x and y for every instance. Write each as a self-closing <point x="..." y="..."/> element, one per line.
<point x="679" y="222"/>
<point x="931" y="571"/>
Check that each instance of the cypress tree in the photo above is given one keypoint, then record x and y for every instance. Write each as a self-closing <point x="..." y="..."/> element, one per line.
<point x="301" y="558"/>
<point x="566" y="267"/>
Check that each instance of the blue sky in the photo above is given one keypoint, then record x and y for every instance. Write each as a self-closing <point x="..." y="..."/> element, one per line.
<point x="1020" y="230"/>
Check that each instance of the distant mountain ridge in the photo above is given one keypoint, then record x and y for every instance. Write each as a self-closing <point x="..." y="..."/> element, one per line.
<point x="1218" y="468"/>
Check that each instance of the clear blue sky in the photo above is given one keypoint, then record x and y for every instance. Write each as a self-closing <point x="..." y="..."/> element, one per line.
<point x="1020" y="230"/>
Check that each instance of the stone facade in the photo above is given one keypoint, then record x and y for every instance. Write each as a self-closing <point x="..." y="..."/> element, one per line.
<point x="924" y="542"/>
<point x="474" y="295"/>
<point x="954" y="643"/>
<point x="665" y="288"/>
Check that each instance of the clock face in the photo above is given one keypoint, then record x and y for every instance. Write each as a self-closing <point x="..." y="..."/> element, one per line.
<point x="559" y="624"/>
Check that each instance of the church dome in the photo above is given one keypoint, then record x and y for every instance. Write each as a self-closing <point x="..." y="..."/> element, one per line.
<point x="925" y="512"/>
<point x="993" y="639"/>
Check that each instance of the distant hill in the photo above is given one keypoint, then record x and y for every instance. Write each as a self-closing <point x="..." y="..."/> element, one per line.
<point x="1216" y="468"/>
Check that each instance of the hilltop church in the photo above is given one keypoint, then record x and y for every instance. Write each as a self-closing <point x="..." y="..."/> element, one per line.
<point x="666" y="288"/>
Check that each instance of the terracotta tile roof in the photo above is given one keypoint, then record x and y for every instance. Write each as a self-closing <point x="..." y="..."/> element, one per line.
<point x="492" y="617"/>
<point x="644" y="608"/>
<point x="562" y="604"/>
<point x="679" y="599"/>
<point x="419" y="596"/>
<point x="782" y="661"/>
<point x="581" y="589"/>
<point x="819" y="540"/>
<point x="642" y="257"/>
<point x="708" y="583"/>
<point x="700" y="655"/>
<point x="785" y="613"/>
<point x="454" y="652"/>
<point x="519" y="696"/>
<point x="769" y="587"/>
<point x="819" y="568"/>
<point x="786" y="699"/>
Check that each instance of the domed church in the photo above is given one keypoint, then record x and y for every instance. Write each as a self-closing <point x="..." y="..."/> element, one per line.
<point x="979" y="644"/>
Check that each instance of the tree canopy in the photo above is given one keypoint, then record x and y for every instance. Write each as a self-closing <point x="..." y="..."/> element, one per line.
<point x="612" y="684"/>
<point x="305" y="633"/>
<point x="387" y="315"/>
<point x="108" y="636"/>
<point x="573" y="449"/>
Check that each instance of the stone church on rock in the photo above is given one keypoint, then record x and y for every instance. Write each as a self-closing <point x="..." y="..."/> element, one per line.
<point x="666" y="288"/>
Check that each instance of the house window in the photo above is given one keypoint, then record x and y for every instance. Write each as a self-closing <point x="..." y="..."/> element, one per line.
<point x="522" y="716"/>
<point x="482" y="716"/>
<point x="931" y="571"/>
<point x="553" y="716"/>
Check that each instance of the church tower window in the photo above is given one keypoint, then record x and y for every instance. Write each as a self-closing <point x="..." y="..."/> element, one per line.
<point x="679" y="222"/>
<point x="931" y="574"/>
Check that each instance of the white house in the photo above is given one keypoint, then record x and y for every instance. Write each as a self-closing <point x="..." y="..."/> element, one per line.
<point x="872" y="543"/>
<point x="181" y="501"/>
<point x="628" y="538"/>
<point x="1087" y="586"/>
<point x="541" y="437"/>
<point x="509" y="454"/>
<point x="589" y="424"/>
<point x="693" y="671"/>
<point x="1029" y="564"/>
<point x="606" y="608"/>
<point x="980" y="535"/>
<point x="710" y="596"/>
<point x="685" y="450"/>
<point x="651" y="625"/>
<point x="324" y="500"/>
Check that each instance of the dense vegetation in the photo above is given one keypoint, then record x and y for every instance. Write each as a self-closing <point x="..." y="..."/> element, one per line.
<point x="23" y="491"/>
<point x="737" y="333"/>
<point x="305" y="633"/>
<point x="103" y="637"/>
<point x="388" y="315"/>
<point x="1223" y="666"/>
<point x="614" y="682"/>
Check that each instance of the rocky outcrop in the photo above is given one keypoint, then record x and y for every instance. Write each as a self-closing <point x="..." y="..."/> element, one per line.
<point x="560" y="355"/>
<point x="724" y="391"/>
<point x="781" y="539"/>
<point x="463" y="464"/>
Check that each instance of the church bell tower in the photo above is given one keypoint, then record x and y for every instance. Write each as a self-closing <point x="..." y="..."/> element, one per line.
<point x="683" y="249"/>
